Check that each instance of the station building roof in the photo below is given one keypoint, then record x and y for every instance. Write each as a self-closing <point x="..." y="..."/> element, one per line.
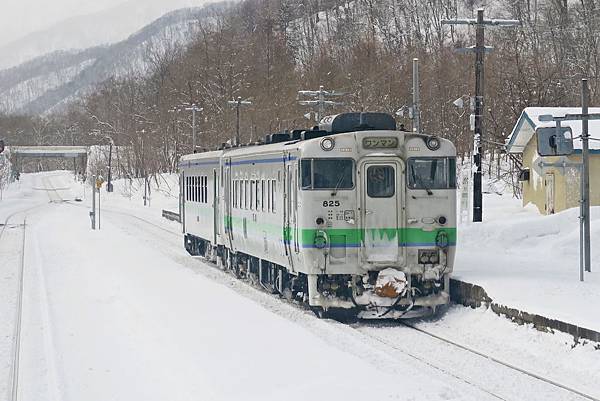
<point x="529" y="121"/>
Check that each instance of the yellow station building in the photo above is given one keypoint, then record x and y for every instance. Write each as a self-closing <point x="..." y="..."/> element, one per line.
<point x="554" y="188"/>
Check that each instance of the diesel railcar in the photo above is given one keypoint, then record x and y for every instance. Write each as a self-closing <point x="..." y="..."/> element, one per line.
<point x="351" y="215"/>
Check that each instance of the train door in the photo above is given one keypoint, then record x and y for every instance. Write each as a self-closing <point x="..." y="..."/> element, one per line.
<point x="287" y="212"/>
<point x="227" y="199"/>
<point x="382" y="191"/>
<point x="182" y="189"/>
<point x="215" y="206"/>
<point x="295" y="207"/>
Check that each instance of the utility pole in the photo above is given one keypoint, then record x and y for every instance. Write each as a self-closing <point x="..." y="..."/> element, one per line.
<point x="238" y="103"/>
<point x="479" y="49"/>
<point x="193" y="108"/>
<point x="585" y="154"/>
<point x="320" y="101"/>
<point x="416" y="98"/>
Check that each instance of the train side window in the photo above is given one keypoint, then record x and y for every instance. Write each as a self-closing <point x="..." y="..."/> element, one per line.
<point x="274" y="195"/>
<point x="252" y="194"/>
<point x="246" y="194"/>
<point x="257" y="192"/>
<point x="235" y="198"/>
<point x="194" y="187"/>
<point x="198" y="189"/>
<point x="262" y="195"/>
<point x="205" y="189"/>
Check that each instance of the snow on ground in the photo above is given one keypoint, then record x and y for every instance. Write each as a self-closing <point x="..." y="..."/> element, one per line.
<point x="531" y="262"/>
<point x="125" y="313"/>
<point x="111" y="314"/>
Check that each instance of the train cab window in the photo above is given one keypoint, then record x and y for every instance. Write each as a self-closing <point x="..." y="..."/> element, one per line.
<point x="327" y="173"/>
<point x="381" y="181"/>
<point x="431" y="173"/>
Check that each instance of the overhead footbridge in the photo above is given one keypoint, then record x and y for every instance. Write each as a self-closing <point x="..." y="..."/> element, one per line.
<point x="78" y="154"/>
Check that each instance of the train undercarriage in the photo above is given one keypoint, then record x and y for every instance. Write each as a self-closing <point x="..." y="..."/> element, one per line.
<point x="385" y="294"/>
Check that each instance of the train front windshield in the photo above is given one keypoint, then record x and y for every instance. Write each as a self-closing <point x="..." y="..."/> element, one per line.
<point x="327" y="173"/>
<point x="431" y="173"/>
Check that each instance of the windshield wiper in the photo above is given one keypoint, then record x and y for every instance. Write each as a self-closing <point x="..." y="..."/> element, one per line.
<point x="339" y="182"/>
<point x="419" y="179"/>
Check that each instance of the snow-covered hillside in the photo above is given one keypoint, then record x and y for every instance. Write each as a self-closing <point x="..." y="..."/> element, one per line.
<point x="109" y="25"/>
<point x="47" y="83"/>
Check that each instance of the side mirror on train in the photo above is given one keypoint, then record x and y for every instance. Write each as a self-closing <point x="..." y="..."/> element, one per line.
<point x="554" y="141"/>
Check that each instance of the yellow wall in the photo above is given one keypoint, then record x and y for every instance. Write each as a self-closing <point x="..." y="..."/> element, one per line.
<point x="566" y="181"/>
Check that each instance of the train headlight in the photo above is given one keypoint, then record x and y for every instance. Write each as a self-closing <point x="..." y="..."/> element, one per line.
<point x="327" y="144"/>
<point x="433" y="143"/>
<point x="429" y="257"/>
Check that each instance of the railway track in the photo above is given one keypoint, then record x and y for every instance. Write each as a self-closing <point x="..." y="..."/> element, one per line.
<point x="364" y="330"/>
<point x="54" y="197"/>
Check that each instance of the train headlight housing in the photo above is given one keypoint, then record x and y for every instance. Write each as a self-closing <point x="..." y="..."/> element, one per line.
<point x="433" y="143"/>
<point x="442" y="240"/>
<point x="321" y="239"/>
<point x="327" y="144"/>
<point x="429" y="256"/>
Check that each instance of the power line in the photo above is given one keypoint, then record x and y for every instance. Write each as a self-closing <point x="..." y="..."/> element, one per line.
<point x="320" y="102"/>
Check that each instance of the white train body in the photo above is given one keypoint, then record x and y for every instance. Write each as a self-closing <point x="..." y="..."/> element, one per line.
<point x="362" y="220"/>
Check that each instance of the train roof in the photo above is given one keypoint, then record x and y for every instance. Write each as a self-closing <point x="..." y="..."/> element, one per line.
<point x="346" y="123"/>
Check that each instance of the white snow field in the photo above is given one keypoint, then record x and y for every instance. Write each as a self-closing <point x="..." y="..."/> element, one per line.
<point x="531" y="262"/>
<point x="124" y="313"/>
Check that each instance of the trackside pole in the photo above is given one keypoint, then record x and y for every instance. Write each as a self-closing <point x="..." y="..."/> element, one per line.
<point x="585" y="154"/>
<point x="93" y="212"/>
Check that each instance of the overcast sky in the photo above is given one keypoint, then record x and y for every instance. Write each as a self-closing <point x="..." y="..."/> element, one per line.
<point x="20" y="17"/>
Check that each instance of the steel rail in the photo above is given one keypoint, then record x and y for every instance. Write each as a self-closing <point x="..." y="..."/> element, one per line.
<point x="501" y="362"/>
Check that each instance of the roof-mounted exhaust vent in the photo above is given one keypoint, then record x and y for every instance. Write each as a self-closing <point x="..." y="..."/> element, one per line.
<point x="350" y="122"/>
<point x="278" y="137"/>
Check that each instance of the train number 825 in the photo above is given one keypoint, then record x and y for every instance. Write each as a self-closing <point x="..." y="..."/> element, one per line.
<point x="331" y="203"/>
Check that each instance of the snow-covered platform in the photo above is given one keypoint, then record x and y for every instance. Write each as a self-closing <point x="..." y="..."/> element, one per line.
<point x="530" y="263"/>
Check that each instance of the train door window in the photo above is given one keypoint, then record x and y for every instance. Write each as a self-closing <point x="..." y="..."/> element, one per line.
<point x="246" y="195"/>
<point x="251" y="194"/>
<point x="186" y="188"/>
<point x="295" y="192"/>
<point x="381" y="181"/>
